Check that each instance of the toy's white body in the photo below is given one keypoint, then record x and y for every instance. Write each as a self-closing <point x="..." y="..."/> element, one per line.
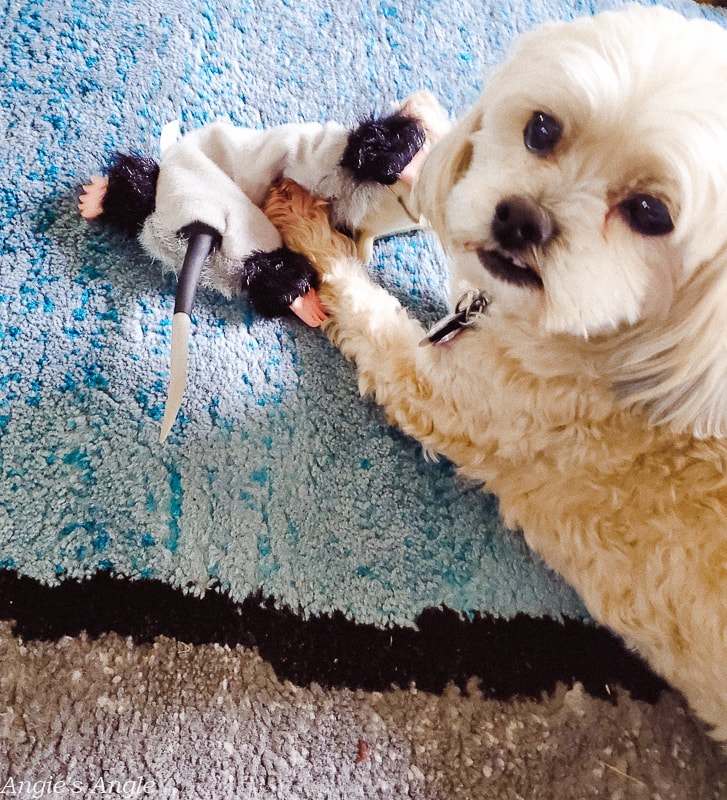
<point x="219" y="175"/>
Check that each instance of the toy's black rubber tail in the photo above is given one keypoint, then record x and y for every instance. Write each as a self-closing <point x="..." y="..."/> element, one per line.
<point x="130" y="195"/>
<point x="379" y="149"/>
<point x="201" y="240"/>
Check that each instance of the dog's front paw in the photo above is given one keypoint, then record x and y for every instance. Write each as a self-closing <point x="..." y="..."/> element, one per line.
<point x="302" y="221"/>
<point x="304" y="226"/>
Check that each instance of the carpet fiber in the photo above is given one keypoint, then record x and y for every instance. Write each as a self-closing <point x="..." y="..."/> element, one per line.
<point x="286" y="599"/>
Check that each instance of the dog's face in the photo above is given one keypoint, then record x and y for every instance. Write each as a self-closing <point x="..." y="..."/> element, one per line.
<point x="587" y="189"/>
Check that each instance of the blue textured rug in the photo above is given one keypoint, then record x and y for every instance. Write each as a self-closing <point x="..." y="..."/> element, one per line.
<point x="278" y="479"/>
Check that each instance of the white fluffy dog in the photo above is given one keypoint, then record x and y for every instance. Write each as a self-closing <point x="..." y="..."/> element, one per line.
<point x="586" y="195"/>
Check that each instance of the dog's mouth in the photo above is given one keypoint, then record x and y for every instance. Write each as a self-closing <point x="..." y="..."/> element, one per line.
<point x="509" y="269"/>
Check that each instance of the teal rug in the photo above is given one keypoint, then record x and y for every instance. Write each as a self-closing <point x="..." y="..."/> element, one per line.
<point x="278" y="480"/>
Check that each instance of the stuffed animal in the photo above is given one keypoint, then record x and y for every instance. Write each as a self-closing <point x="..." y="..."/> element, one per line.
<point x="198" y="211"/>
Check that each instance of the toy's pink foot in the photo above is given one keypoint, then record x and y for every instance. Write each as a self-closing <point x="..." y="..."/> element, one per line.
<point x="310" y="309"/>
<point x="90" y="203"/>
<point x="411" y="171"/>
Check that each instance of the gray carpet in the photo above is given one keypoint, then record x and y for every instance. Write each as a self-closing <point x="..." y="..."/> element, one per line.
<point x="211" y="722"/>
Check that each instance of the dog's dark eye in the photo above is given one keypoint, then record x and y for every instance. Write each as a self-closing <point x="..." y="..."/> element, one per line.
<point x="542" y="133"/>
<point x="647" y="215"/>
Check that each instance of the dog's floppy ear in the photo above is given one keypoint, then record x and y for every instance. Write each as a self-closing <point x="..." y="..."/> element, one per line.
<point x="445" y="165"/>
<point x="676" y="369"/>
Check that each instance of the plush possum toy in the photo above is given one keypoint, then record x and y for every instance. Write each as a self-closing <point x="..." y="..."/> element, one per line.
<point x="199" y="210"/>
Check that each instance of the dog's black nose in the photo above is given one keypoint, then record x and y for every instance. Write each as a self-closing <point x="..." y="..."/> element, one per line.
<point x="519" y="223"/>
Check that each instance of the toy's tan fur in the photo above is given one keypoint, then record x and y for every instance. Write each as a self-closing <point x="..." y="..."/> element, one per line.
<point x="629" y="507"/>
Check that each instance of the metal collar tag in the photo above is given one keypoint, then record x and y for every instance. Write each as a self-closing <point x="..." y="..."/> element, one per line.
<point x="469" y="307"/>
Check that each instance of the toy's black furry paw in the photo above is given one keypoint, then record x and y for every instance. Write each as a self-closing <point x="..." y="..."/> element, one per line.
<point x="131" y="192"/>
<point x="274" y="280"/>
<point x="379" y="149"/>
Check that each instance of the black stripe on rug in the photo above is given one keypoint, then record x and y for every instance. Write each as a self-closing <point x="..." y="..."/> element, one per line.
<point x="519" y="657"/>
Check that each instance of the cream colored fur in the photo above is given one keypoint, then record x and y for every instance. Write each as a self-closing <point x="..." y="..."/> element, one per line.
<point x="594" y="407"/>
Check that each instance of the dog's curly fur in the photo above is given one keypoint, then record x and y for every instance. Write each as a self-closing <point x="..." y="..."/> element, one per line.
<point x="592" y="404"/>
